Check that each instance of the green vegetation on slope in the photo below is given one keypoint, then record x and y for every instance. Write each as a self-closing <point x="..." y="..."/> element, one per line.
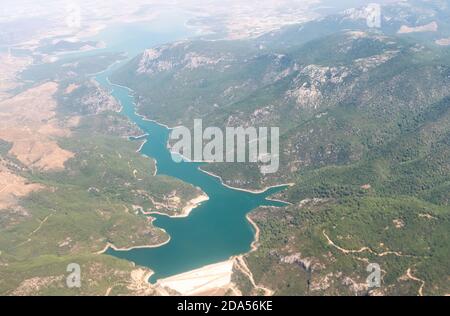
<point x="296" y="258"/>
<point x="364" y="117"/>
<point x="94" y="201"/>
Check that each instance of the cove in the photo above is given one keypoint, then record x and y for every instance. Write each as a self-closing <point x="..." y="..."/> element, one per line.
<point x="214" y="231"/>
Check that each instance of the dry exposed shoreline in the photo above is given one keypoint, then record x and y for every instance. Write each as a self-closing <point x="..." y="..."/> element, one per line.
<point x="191" y="205"/>
<point x="213" y="279"/>
<point x="254" y="245"/>
<point x="112" y="246"/>
<point x="247" y="190"/>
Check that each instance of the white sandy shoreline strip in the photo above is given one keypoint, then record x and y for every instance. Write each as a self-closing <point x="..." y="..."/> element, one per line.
<point x="254" y="245"/>
<point x="247" y="190"/>
<point x="112" y="246"/>
<point x="237" y="188"/>
<point x="191" y="205"/>
<point x="194" y="203"/>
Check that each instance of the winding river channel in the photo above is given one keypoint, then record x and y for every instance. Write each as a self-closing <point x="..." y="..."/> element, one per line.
<point x="215" y="230"/>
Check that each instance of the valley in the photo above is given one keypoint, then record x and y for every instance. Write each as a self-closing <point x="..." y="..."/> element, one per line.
<point x="86" y="175"/>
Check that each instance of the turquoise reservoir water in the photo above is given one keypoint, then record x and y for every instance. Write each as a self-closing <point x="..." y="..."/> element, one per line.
<point x="213" y="232"/>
